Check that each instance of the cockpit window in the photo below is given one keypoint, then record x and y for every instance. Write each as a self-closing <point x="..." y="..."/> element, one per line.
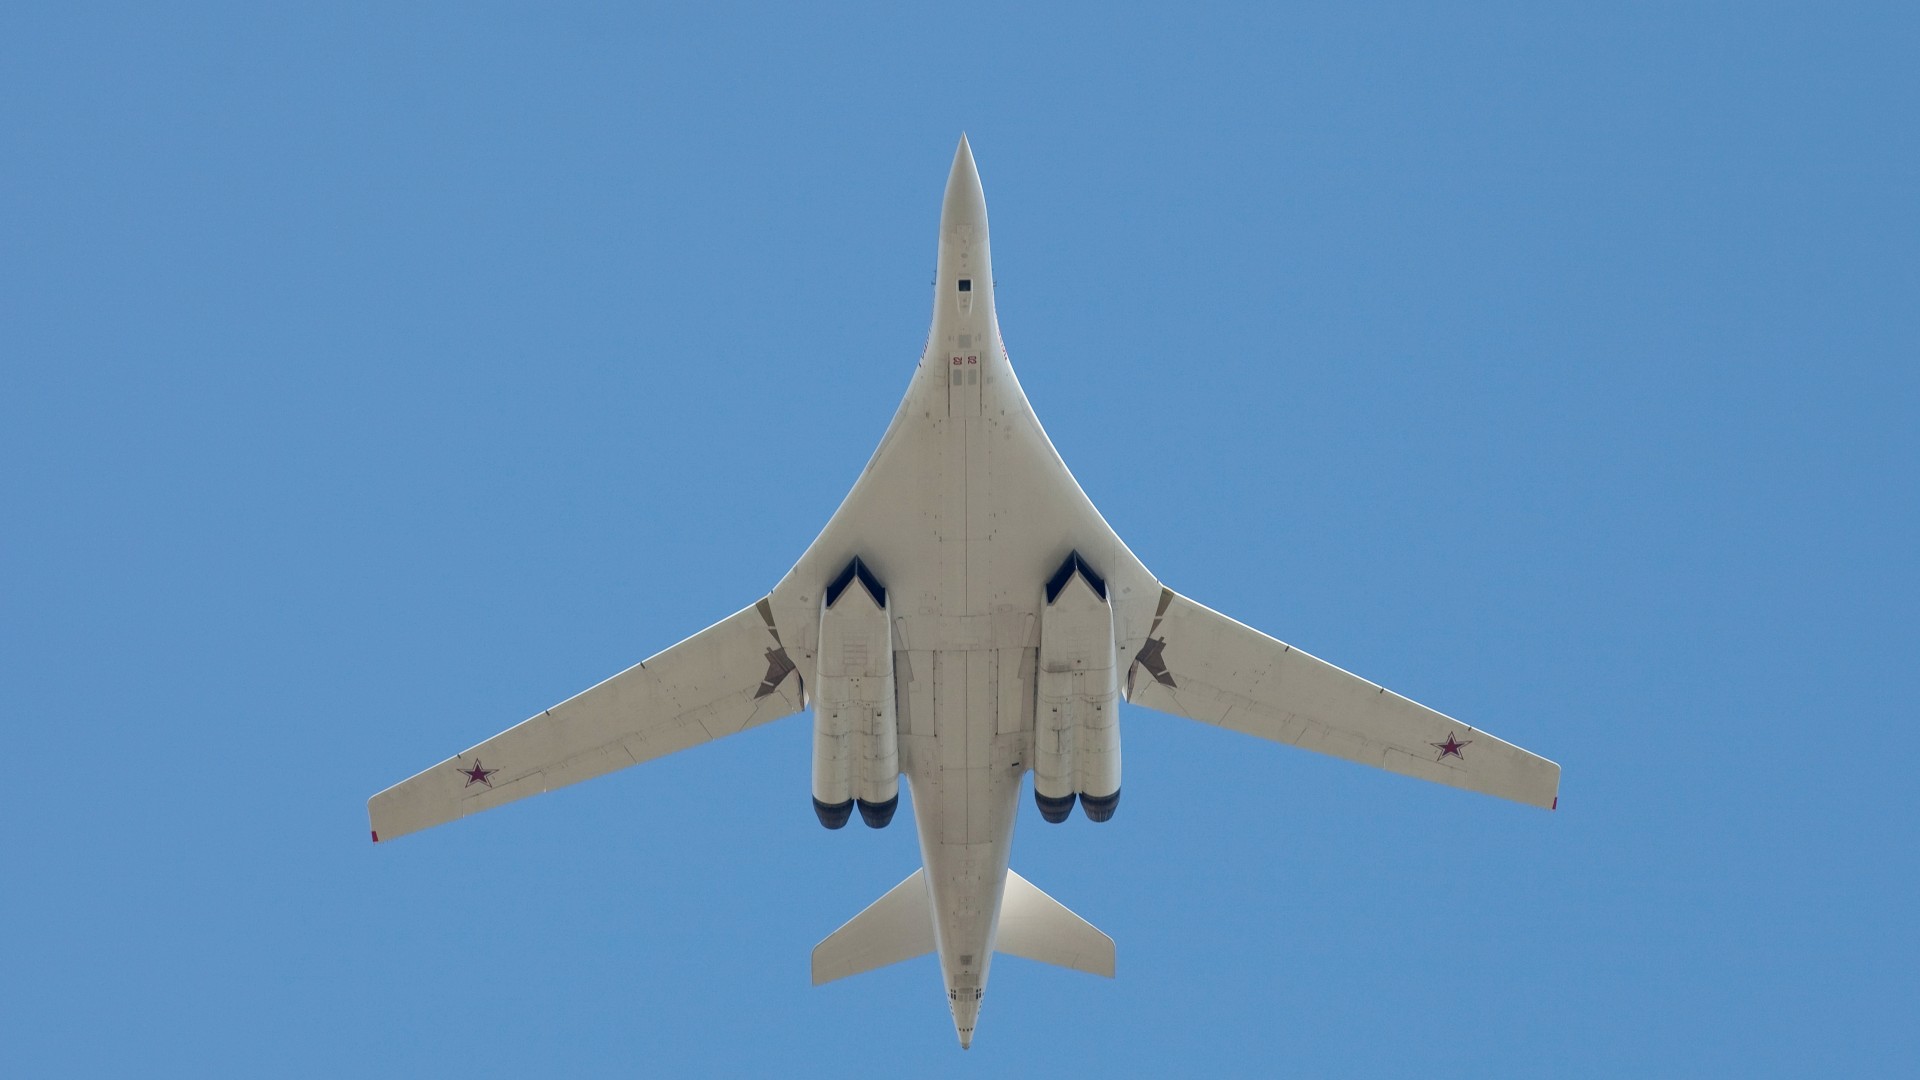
<point x="966" y="284"/>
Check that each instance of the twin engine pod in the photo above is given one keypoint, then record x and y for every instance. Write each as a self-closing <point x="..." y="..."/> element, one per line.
<point x="1076" y="737"/>
<point x="856" y="740"/>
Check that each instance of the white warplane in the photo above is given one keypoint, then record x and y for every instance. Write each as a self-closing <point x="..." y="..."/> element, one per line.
<point x="965" y="618"/>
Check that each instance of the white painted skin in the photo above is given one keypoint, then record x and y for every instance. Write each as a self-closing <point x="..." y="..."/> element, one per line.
<point x="855" y="729"/>
<point x="1076" y="731"/>
<point x="963" y="513"/>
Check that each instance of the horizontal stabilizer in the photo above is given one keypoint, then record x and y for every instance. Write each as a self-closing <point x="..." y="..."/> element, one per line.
<point x="896" y="927"/>
<point x="1035" y="926"/>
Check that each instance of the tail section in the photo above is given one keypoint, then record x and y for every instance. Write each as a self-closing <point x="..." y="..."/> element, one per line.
<point x="1035" y="926"/>
<point x="896" y="927"/>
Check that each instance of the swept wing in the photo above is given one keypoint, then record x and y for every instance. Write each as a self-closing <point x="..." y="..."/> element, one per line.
<point x="733" y="675"/>
<point x="1202" y="665"/>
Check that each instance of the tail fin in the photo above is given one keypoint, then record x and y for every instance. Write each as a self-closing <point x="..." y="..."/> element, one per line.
<point x="896" y="927"/>
<point x="1035" y="926"/>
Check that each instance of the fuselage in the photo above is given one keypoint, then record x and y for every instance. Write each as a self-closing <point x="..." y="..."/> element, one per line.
<point x="966" y="779"/>
<point x="963" y="512"/>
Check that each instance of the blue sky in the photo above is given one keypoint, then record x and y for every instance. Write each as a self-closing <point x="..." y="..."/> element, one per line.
<point x="372" y="379"/>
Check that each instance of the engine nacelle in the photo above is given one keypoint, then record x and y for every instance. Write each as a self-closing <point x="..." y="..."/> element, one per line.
<point x="1076" y="738"/>
<point x="856" y="739"/>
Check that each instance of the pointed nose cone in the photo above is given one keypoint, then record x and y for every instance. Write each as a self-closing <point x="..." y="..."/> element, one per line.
<point x="966" y="204"/>
<point x="964" y="170"/>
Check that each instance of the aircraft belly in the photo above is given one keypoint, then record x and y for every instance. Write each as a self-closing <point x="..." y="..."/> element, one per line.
<point x="964" y="513"/>
<point x="965" y="778"/>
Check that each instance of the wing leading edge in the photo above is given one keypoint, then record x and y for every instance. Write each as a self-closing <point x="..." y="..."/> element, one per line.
<point x="1202" y="665"/>
<point x="733" y="675"/>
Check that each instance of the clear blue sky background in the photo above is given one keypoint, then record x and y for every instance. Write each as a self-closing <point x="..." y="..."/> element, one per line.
<point x="372" y="379"/>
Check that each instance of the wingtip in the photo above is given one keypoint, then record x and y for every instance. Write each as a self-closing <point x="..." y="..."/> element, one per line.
<point x="376" y="835"/>
<point x="1556" y="803"/>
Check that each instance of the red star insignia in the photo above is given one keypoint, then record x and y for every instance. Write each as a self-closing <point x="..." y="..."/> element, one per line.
<point x="1450" y="748"/>
<point x="476" y="775"/>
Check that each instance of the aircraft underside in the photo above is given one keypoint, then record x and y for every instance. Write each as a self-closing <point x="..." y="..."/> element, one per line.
<point x="965" y="618"/>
